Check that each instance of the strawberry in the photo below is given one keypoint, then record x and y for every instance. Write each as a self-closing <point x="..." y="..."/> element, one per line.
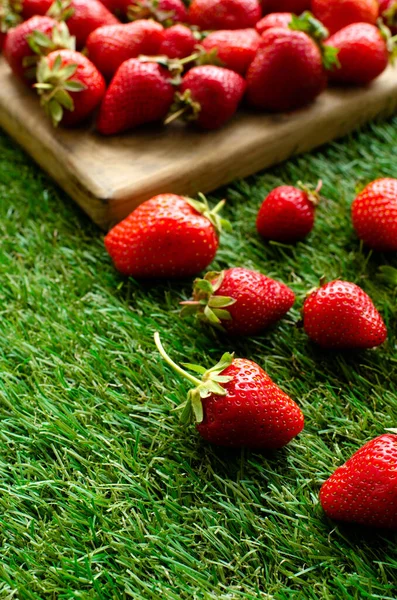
<point x="362" y="54"/>
<point x="374" y="214"/>
<point x="388" y="11"/>
<point x="30" y="8"/>
<point x="239" y="301"/>
<point x="82" y="17"/>
<point x="340" y="316"/>
<point x="178" y="42"/>
<point x="336" y="14"/>
<point x="273" y="20"/>
<point x="235" y="48"/>
<point x="10" y="16"/>
<point x="38" y="35"/>
<point x="209" y="96"/>
<point x="236" y="404"/>
<point x="70" y="87"/>
<point x="288" y="69"/>
<point x="293" y="6"/>
<point x="168" y="12"/>
<point x="287" y="213"/>
<point x="364" y="489"/>
<point x="108" y="47"/>
<point x="224" y="14"/>
<point x="139" y="93"/>
<point x="167" y="236"/>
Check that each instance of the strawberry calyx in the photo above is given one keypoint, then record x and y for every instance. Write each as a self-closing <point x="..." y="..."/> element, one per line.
<point x="208" y="57"/>
<point x="202" y="207"/>
<point x="183" y="107"/>
<point x="54" y="85"/>
<point x="10" y="15"/>
<point x="390" y="15"/>
<point x="61" y="10"/>
<point x="313" y="193"/>
<point x="149" y="9"/>
<point x="175" y="66"/>
<point x="307" y="23"/>
<point x="42" y="44"/>
<point x="391" y="41"/>
<point x="210" y="383"/>
<point x="205" y="305"/>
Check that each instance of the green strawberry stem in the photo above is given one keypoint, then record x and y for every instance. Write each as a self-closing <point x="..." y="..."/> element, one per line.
<point x="209" y="384"/>
<point x="307" y="23"/>
<point x="206" y="305"/>
<point x="212" y="215"/>
<point x="313" y="193"/>
<point x="10" y="14"/>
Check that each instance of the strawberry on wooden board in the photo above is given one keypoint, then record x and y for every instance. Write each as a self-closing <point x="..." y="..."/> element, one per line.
<point x="10" y="16"/>
<point x="288" y="70"/>
<point x="139" y="93"/>
<point x="234" y="48"/>
<point x="30" y="8"/>
<point x="287" y="213"/>
<point x="388" y="12"/>
<point x="336" y="14"/>
<point x="362" y="54"/>
<point x="82" y="17"/>
<point x="293" y="6"/>
<point x="178" y="42"/>
<point x="108" y="47"/>
<point x="273" y="20"/>
<point x="208" y="96"/>
<point x="239" y="301"/>
<point x="26" y="42"/>
<point x="168" y="236"/>
<point x="235" y="404"/>
<point x="364" y="489"/>
<point x="70" y="87"/>
<point x="341" y="316"/>
<point x="224" y="14"/>
<point x="167" y="12"/>
<point x="374" y="214"/>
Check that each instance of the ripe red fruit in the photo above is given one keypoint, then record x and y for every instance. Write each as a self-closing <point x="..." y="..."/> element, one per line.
<point x="336" y="14"/>
<point x="287" y="71"/>
<point x="287" y="214"/>
<point x="374" y="214"/>
<point x="341" y="316"/>
<point x="108" y="47"/>
<point x="38" y="35"/>
<point x="224" y="14"/>
<point x="236" y="404"/>
<point x="178" y="42"/>
<point x="292" y="6"/>
<point x="362" y="56"/>
<point x="273" y="20"/>
<point x="167" y="236"/>
<point x="239" y="301"/>
<point x="235" y="48"/>
<point x="30" y="8"/>
<point x="82" y="17"/>
<point x="364" y="489"/>
<point x="388" y="12"/>
<point x="139" y="93"/>
<point x="70" y="87"/>
<point x="209" y="96"/>
<point x="167" y="12"/>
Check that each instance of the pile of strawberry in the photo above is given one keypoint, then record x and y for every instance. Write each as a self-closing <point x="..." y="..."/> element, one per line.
<point x="144" y="61"/>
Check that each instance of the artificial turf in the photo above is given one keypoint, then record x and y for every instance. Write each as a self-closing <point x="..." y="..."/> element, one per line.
<point x="102" y="493"/>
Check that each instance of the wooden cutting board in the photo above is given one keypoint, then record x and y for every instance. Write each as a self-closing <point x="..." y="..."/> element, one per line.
<point x="109" y="177"/>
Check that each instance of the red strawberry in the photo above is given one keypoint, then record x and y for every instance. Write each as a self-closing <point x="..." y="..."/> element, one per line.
<point x="374" y="214"/>
<point x="336" y="14"/>
<point x="30" y="8"/>
<point x="178" y="42"/>
<point x="274" y="20"/>
<point x="364" y="489"/>
<point x="340" y="316"/>
<point x="82" y="17"/>
<point x="108" y="47"/>
<point x="287" y="213"/>
<point x="287" y="71"/>
<point x="224" y="14"/>
<point x="70" y="87"/>
<point x="209" y="96"/>
<point x="292" y="6"/>
<point x="10" y="16"/>
<point x="362" y="56"/>
<point x="236" y="404"/>
<point x="167" y="12"/>
<point x="167" y="236"/>
<point x="38" y="35"/>
<point x="235" y="48"/>
<point x="139" y="93"/>
<point x="388" y="11"/>
<point x="240" y="301"/>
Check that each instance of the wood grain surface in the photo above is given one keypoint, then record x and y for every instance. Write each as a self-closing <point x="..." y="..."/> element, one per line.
<point x="109" y="177"/>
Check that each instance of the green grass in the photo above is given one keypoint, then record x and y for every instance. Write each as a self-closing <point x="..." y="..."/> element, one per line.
<point x="102" y="493"/>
